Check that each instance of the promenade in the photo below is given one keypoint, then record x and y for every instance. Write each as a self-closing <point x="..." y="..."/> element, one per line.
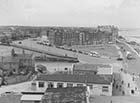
<point x="133" y="66"/>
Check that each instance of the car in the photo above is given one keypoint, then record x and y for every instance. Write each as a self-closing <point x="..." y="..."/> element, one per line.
<point x="41" y="68"/>
<point x="85" y="53"/>
<point x="70" y="49"/>
<point x="119" y="59"/>
<point x="34" y="39"/>
<point x="74" y="50"/>
<point x="39" y="43"/>
<point x="80" y="52"/>
<point x="20" y="42"/>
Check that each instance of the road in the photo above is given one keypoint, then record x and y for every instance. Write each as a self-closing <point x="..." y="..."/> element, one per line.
<point x="134" y="64"/>
<point x="81" y="57"/>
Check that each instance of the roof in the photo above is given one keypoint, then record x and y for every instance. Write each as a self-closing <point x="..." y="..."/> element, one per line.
<point x="9" y="59"/>
<point x="94" y="79"/>
<point x="16" y="58"/>
<point x="27" y="56"/>
<point x="67" y="89"/>
<point x="31" y="97"/>
<point x="92" y="67"/>
<point x="66" y="95"/>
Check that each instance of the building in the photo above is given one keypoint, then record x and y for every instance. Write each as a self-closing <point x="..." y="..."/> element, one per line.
<point x="9" y="64"/>
<point x="17" y="63"/>
<point x="98" y="84"/>
<point x="82" y="69"/>
<point x="66" y="95"/>
<point x="82" y="36"/>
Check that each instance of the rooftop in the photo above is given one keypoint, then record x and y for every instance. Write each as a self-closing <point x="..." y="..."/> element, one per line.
<point x="93" y="67"/>
<point x="15" y="59"/>
<point x="67" y="89"/>
<point x="95" y="79"/>
<point x="8" y="59"/>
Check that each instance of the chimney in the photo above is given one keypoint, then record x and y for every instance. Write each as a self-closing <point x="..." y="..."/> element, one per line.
<point x="13" y="52"/>
<point x="23" y="52"/>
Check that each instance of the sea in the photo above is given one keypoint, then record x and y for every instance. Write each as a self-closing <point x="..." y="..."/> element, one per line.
<point x="131" y="34"/>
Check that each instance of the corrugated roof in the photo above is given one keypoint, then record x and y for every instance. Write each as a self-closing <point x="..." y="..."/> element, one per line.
<point x="31" y="98"/>
<point x="95" y="79"/>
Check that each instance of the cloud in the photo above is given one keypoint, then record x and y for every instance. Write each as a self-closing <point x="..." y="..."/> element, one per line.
<point x="69" y="12"/>
<point x="130" y="3"/>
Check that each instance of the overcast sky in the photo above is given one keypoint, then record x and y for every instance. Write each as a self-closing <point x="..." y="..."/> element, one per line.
<point x="123" y="13"/>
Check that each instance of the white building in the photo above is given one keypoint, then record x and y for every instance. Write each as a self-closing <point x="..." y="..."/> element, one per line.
<point x="98" y="84"/>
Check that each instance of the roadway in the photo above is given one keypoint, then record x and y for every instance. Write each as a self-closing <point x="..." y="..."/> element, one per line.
<point x="134" y="64"/>
<point x="61" y="52"/>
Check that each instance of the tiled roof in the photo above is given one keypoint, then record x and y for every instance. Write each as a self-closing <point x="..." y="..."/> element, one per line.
<point x="92" y="67"/>
<point x="66" y="95"/>
<point x="95" y="79"/>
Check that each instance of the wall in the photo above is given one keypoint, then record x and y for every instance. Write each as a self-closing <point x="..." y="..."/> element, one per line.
<point x="17" y="79"/>
<point x="97" y="88"/>
<point x="105" y="71"/>
<point x="28" y="101"/>
<point x="55" y="85"/>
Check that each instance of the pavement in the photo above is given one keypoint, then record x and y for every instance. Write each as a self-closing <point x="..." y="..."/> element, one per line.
<point x="134" y="64"/>
<point x="20" y="87"/>
<point x="115" y="99"/>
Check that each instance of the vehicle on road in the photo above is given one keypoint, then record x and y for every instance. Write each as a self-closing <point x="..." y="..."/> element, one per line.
<point x="129" y="55"/>
<point x="120" y="57"/>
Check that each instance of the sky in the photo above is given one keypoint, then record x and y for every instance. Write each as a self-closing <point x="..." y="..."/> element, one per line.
<point x="90" y="13"/>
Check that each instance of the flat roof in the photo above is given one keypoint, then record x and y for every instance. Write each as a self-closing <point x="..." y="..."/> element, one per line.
<point x="31" y="97"/>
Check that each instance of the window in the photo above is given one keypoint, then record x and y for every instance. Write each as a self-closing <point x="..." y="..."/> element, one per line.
<point x="128" y="85"/>
<point x="132" y="91"/>
<point x="105" y="89"/>
<point x="59" y="85"/>
<point x="69" y="85"/>
<point x="79" y="85"/>
<point x="33" y="84"/>
<point x="50" y="85"/>
<point x="36" y="101"/>
<point x="122" y="82"/>
<point x="14" y="70"/>
<point x="41" y="84"/>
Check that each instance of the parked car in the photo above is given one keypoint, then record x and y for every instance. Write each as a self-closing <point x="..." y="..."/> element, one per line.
<point x="80" y="52"/>
<point x="74" y="50"/>
<point x="20" y="42"/>
<point x="41" y="68"/>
